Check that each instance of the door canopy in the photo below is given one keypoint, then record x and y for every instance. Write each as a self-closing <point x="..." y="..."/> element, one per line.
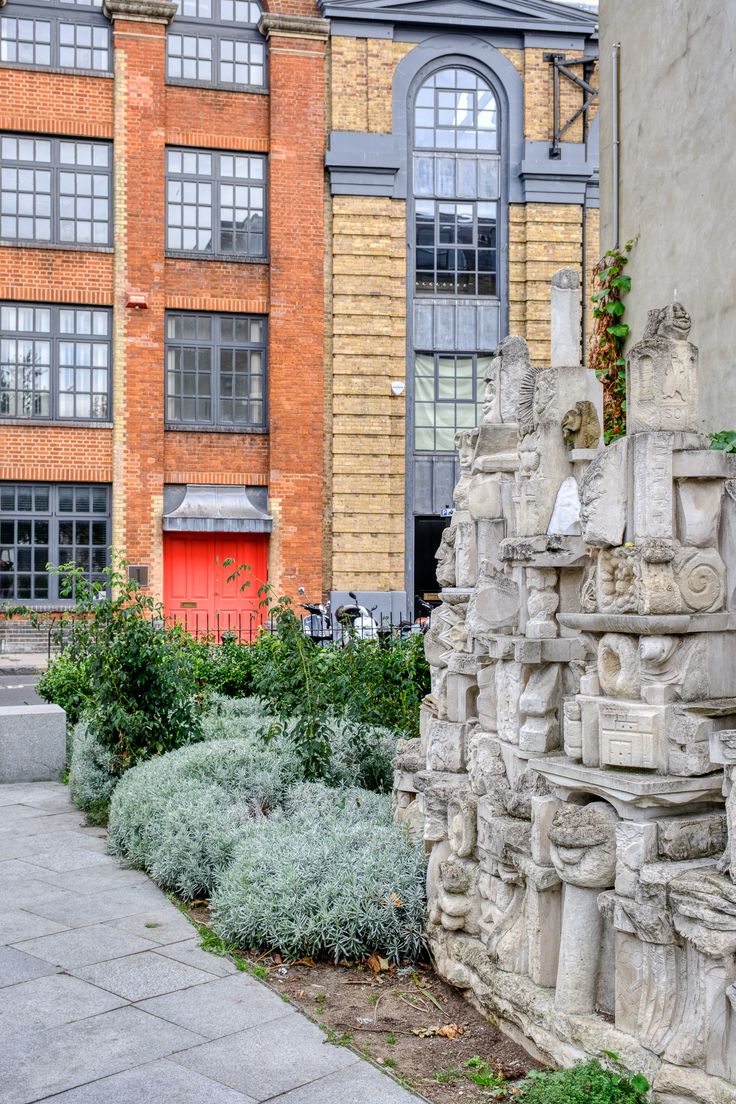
<point x="214" y="509"/>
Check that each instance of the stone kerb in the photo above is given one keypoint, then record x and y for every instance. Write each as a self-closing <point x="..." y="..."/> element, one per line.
<point x="32" y="743"/>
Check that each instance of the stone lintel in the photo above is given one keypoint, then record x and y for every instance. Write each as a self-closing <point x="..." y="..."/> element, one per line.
<point x="140" y="11"/>
<point x="634" y="794"/>
<point x="293" y="26"/>
<point x="662" y="624"/>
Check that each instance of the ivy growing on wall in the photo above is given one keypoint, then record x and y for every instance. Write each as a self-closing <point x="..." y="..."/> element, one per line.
<point x="609" y="336"/>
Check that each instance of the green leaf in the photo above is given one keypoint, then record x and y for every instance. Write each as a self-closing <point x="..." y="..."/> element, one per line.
<point x="623" y="283"/>
<point x="616" y="307"/>
<point x="640" y="1083"/>
<point x="619" y="330"/>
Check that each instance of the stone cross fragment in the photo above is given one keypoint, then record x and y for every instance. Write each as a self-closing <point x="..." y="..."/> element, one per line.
<point x="565" y="319"/>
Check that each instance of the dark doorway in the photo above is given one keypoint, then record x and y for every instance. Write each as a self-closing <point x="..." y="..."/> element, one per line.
<point x="427" y="536"/>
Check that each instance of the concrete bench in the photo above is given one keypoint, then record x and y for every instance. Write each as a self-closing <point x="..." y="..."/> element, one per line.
<point x="32" y="743"/>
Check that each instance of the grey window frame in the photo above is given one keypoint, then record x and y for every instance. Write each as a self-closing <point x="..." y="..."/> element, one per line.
<point x="217" y="31"/>
<point x="475" y="247"/>
<point x="215" y="346"/>
<point x="56" y="168"/>
<point x="55" y="336"/>
<point x="475" y="403"/>
<point x="54" y="517"/>
<point x="58" y="15"/>
<point x="217" y="181"/>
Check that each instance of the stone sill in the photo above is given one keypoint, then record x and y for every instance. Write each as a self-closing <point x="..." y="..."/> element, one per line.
<point x="243" y="431"/>
<point x="57" y="247"/>
<point x="208" y="258"/>
<point x="27" y="67"/>
<point x="57" y="423"/>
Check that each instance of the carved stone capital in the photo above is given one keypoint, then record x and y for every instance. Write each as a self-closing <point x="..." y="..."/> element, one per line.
<point x="140" y="11"/>
<point x="293" y="26"/>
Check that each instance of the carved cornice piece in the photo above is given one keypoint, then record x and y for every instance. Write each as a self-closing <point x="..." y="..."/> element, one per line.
<point x="140" y="11"/>
<point x="293" y="26"/>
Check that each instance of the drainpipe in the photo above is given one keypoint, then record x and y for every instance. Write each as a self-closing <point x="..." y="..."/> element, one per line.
<point x="616" y="143"/>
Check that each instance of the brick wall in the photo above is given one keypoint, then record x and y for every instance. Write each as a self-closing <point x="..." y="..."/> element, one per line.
<point x="369" y="351"/>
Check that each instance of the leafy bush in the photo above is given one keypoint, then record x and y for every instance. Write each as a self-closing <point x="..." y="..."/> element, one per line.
<point x="330" y="875"/>
<point x="225" y="718"/>
<point x="67" y="683"/>
<point x="225" y="668"/>
<point x="135" y="676"/>
<point x="180" y="816"/>
<point x="586" y="1083"/>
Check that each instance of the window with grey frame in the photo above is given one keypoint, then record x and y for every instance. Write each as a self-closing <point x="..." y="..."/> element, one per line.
<point x="216" y="203"/>
<point x="216" y="370"/>
<point x="456" y="170"/>
<point x="217" y="42"/>
<point x="55" y="191"/>
<point x="448" y="394"/>
<point x="63" y="34"/>
<point x="55" y="361"/>
<point x="43" y="523"/>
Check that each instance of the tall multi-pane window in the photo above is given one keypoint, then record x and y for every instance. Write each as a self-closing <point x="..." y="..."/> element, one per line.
<point x="43" y="523"/>
<point x="456" y="173"/>
<point x="217" y="42"/>
<point x="448" y="392"/>
<point x="216" y="203"/>
<point x="54" y="361"/>
<point x="55" y="191"/>
<point x="70" y="34"/>
<point x="216" y="370"/>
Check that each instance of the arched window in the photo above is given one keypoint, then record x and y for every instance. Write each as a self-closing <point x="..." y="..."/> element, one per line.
<point x="456" y="187"/>
<point x="456" y="193"/>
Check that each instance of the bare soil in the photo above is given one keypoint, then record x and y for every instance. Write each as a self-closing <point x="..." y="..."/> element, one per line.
<point x="405" y="1019"/>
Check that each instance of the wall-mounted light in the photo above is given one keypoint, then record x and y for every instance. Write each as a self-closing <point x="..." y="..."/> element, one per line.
<point x="397" y="387"/>
<point x="136" y="299"/>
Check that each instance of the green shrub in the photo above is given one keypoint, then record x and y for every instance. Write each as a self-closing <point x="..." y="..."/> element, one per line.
<point x="180" y="816"/>
<point x="586" y="1083"/>
<point x="67" y="683"/>
<point x="331" y="875"/>
<point x="225" y="668"/>
<point x="226" y="718"/>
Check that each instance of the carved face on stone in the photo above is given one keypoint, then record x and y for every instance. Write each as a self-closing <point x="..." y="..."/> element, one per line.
<point x="674" y="322"/>
<point x="465" y="442"/>
<point x="492" y="378"/>
<point x="583" y="844"/>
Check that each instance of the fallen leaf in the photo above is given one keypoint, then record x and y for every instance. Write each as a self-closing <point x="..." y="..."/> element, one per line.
<point x="451" y="1031"/>
<point x="199" y="901"/>
<point x="304" y="962"/>
<point x="395" y="900"/>
<point x="447" y="1031"/>
<point x="376" y="963"/>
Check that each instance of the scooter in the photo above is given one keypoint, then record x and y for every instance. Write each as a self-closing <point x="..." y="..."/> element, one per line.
<point x="356" y="620"/>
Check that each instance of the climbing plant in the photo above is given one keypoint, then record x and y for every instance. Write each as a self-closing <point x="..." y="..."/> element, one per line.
<point x="609" y="335"/>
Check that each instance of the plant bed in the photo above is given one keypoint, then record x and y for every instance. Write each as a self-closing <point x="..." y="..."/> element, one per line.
<point x="405" y="1019"/>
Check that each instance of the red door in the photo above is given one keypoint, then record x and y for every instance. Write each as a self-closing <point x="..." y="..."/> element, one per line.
<point x="199" y="590"/>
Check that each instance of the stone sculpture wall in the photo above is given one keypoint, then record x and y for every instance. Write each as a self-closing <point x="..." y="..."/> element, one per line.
<point x="574" y="781"/>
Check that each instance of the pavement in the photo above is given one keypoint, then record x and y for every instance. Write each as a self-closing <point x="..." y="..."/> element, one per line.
<point x="23" y="663"/>
<point x="107" y="998"/>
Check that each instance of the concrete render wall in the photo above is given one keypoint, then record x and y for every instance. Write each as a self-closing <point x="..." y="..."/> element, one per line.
<point x="678" y="162"/>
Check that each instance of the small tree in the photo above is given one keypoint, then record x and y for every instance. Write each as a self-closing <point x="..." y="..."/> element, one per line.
<point x="139" y="682"/>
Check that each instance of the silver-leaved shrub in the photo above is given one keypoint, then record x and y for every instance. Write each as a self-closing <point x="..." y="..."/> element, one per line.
<point x="329" y="875"/>
<point x="94" y="769"/>
<point x="180" y="816"/>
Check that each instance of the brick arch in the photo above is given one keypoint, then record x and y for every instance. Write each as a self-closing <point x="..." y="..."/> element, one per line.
<point x="291" y="7"/>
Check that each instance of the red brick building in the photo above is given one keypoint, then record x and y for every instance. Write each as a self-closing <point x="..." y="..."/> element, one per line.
<point x="162" y="294"/>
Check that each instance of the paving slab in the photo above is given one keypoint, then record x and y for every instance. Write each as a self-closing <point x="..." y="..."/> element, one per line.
<point x="221" y="1008"/>
<point x="46" y="1062"/>
<point x="49" y="1002"/>
<point x="16" y="924"/>
<point x="16" y="965"/>
<point x="84" y="946"/>
<point x="142" y="975"/>
<point x="73" y="911"/>
<point x="155" y="1083"/>
<point x="106" y="996"/>
<point x="358" y="1084"/>
<point x="269" y="1060"/>
<point x="190" y="952"/>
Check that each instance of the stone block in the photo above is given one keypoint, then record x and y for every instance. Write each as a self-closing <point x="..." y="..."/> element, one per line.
<point x="693" y="837"/>
<point x="446" y="746"/>
<point x="32" y="743"/>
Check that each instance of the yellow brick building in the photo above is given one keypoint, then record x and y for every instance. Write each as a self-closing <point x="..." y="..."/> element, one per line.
<point x="462" y="172"/>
